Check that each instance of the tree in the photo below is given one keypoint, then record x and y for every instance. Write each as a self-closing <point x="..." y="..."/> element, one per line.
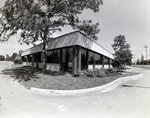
<point x="138" y="62"/>
<point x="7" y="57"/>
<point x="122" y="50"/>
<point x="142" y="59"/>
<point x="39" y="19"/>
<point x="2" y="58"/>
<point x="13" y="57"/>
<point x="20" y="52"/>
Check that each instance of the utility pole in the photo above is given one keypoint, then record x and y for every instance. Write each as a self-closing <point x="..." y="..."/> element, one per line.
<point x="146" y="46"/>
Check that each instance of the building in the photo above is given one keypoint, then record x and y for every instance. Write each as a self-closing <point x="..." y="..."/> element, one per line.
<point x="70" y="52"/>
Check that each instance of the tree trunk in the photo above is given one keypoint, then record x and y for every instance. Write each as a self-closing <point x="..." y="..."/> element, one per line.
<point x="45" y="41"/>
<point x="44" y="61"/>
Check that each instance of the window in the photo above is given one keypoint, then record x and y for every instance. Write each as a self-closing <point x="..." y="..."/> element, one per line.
<point x="39" y="58"/>
<point x="98" y="59"/>
<point x="24" y="59"/>
<point x="106" y="60"/>
<point x="83" y="55"/>
<point x="49" y="57"/>
<point x="83" y="59"/>
<point x="56" y="56"/>
<point x="91" y="57"/>
<point x="53" y="56"/>
<point x="111" y="61"/>
<point x="35" y="58"/>
<point x="67" y="59"/>
<point x="30" y="58"/>
<point x="69" y="52"/>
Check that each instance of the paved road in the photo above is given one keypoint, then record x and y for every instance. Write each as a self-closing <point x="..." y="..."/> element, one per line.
<point x="122" y="102"/>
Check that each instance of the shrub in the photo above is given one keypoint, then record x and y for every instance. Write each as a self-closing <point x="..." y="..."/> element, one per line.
<point x="111" y="71"/>
<point x="17" y="60"/>
<point x="102" y="72"/>
<point x="90" y="72"/>
<point x="96" y="72"/>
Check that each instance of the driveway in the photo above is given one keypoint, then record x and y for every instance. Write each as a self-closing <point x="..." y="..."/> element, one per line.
<point x="132" y="100"/>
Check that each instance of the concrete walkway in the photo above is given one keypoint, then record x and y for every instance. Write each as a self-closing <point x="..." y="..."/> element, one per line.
<point x="132" y="100"/>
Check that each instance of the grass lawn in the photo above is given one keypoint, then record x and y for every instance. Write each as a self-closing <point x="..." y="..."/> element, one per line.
<point x="33" y="77"/>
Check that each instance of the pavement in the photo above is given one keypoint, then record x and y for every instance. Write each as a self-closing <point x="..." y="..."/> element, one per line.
<point x="127" y="97"/>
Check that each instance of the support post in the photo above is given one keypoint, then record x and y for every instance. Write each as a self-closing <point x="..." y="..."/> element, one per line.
<point x="33" y="59"/>
<point x="87" y="53"/>
<point x="22" y="59"/>
<point x="78" y="57"/>
<point x="109" y="62"/>
<point x="27" y="61"/>
<point x="103" y="62"/>
<point x="74" y="60"/>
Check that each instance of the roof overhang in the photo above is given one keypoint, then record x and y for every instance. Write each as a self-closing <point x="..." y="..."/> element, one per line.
<point x="71" y="39"/>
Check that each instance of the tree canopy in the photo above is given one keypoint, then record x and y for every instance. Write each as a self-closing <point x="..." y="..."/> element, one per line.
<point x="122" y="50"/>
<point x="38" y="19"/>
<point x="8" y="58"/>
<point x="13" y="56"/>
<point x="2" y="58"/>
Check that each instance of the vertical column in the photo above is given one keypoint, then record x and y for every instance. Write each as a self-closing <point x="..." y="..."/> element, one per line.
<point x="79" y="57"/>
<point x="22" y="59"/>
<point x="109" y="62"/>
<point x="94" y="60"/>
<point x="33" y="59"/>
<point x="87" y="54"/>
<point x="74" y="60"/>
<point x="27" y="61"/>
<point x="103" y="62"/>
<point x="37" y="60"/>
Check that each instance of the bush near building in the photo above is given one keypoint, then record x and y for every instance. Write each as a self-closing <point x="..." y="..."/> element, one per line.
<point x="17" y="60"/>
<point x="102" y="72"/>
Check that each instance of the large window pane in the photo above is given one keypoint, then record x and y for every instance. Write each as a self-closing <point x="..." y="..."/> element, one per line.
<point x="53" y="56"/>
<point x="30" y="58"/>
<point x="49" y="57"/>
<point x="39" y="58"/>
<point x="24" y="59"/>
<point x="106" y="60"/>
<point x="63" y="55"/>
<point x="67" y="59"/>
<point x="98" y="59"/>
<point x="83" y="59"/>
<point x="91" y="57"/>
<point x="56" y="56"/>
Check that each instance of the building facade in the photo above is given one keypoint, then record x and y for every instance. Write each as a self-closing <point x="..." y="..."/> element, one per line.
<point x="70" y="52"/>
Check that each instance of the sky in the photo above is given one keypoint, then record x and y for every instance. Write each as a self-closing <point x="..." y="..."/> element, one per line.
<point x="128" y="18"/>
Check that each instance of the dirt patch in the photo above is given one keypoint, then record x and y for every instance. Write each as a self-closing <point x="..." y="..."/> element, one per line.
<point x="33" y="77"/>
